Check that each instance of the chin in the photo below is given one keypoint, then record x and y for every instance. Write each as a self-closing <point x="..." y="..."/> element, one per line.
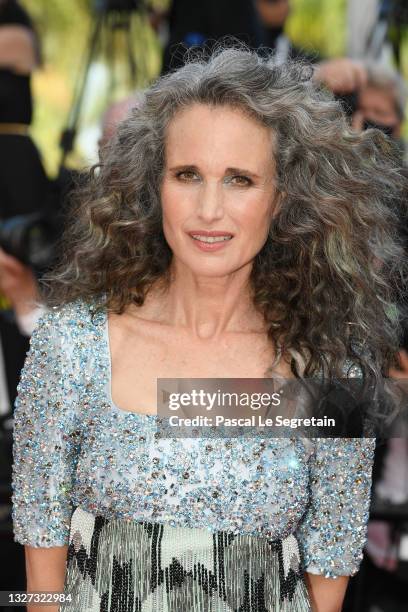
<point x="199" y="267"/>
<point x="211" y="271"/>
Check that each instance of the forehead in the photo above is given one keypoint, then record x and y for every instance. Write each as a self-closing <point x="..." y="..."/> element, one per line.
<point x="218" y="130"/>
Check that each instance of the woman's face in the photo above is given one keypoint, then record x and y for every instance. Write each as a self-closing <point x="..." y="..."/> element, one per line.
<point x="219" y="177"/>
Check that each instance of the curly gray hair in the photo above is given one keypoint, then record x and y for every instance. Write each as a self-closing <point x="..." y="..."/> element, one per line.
<point x="327" y="277"/>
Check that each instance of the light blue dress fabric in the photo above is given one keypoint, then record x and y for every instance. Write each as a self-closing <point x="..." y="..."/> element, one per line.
<point x="74" y="448"/>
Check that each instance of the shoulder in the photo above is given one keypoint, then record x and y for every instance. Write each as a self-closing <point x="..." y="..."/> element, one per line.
<point x="70" y="321"/>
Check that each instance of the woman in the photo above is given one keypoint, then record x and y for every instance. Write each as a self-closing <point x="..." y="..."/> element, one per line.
<point x="238" y="148"/>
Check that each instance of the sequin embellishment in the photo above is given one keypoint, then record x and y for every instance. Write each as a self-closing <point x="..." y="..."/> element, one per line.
<point x="73" y="448"/>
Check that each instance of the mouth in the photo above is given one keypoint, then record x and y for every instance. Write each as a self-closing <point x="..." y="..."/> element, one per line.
<point x="210" y="241"/>
<point x="210" y="237"/>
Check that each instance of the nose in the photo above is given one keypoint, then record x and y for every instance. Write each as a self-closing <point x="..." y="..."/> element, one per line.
<point x="210" y="203"/>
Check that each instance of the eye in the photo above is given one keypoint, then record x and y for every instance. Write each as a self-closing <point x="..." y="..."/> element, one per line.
<point x="240" y="180"/>
<point x="187" y="176"/>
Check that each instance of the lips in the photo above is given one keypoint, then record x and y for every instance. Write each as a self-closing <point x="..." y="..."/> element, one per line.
<point x="209" y="233"/>
<point x="210" y="240"/>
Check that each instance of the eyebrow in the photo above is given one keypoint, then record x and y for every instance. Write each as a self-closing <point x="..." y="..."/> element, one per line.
<point x="239" y="171"/>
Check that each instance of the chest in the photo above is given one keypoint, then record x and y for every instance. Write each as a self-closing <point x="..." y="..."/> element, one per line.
<point x="227" y="483"/>
<point x="139" y="357"/>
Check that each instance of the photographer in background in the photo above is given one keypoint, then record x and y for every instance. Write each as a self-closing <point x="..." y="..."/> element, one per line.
<point x="343" y="76"/>
<point x="202" y="23"/>
<point x="259" y="23"/>
<point x="381" y="103"/>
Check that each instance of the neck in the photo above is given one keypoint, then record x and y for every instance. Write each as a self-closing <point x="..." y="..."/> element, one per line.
<point x="207" y="306"/>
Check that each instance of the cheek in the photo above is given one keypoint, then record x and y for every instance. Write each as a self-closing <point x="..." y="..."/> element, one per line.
<point x="177" y="207"/>
<point x="257" y="213"/>
<point x="168" y="197"/>
<point x="172" y="203"/>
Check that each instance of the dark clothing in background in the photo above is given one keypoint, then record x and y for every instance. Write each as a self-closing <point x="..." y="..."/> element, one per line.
<point x="16" y="104"/>
<point x="23" y="182"/>
<point x="202" y="23"/>
<point x="24" y="186"/>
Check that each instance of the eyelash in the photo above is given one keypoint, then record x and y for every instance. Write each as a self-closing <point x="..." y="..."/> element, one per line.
<point x="246" y="178"/>
<point x="179" y="175"/>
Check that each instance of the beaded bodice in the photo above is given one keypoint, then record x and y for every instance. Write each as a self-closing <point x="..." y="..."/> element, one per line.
<point x="74" y="448"/>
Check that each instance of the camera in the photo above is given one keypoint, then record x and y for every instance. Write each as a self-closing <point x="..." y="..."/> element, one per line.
<point x="34" y="238"/>
<point x="31" y="239"/>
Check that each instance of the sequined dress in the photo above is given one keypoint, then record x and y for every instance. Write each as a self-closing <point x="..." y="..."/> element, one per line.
<point x="172" y="524"/>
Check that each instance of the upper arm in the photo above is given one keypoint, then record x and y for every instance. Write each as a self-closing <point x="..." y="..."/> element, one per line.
<point x="45" y="438"/>
<point x="17" y="49"/>
<point x="332" y="532"/>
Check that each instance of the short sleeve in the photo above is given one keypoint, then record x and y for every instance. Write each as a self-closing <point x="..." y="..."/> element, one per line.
<point x="46" y="436"/>
<point x="332" y="532"/>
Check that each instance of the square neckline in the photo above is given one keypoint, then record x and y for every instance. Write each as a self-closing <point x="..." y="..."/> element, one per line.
<point x="107" y="347"/>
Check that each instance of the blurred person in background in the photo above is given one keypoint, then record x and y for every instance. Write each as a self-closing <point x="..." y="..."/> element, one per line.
<point x="23" y="182"/>
<point x="381" y="103"/>
<point x="273" y="15"/>
<point x="24" y="186"/>
<point x="18" y="282"/>
<point x="340" y="75"/>
<point x="260" y="24"/>
<point x="343" y="76"/>
<point x="197" y="23"/>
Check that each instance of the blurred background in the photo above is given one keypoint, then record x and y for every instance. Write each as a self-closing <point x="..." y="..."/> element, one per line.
<point x="65" y="28"/>
<point x="71" y="71"/>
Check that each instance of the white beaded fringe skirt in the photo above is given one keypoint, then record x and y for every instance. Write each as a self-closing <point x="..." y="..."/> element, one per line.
<point x="117" y="565"/>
